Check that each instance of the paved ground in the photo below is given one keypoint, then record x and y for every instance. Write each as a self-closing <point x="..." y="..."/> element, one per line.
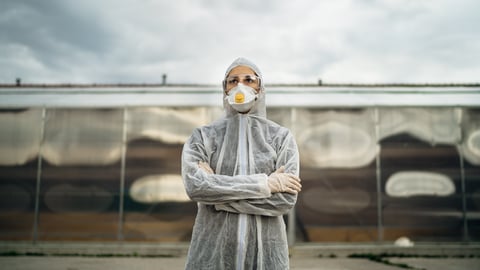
<point x="440" y="264"/>
<point x="140" y="256"/>
<point x="118" y="263"/>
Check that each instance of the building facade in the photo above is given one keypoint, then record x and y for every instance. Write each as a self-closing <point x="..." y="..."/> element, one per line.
<point x="102" y="163"/>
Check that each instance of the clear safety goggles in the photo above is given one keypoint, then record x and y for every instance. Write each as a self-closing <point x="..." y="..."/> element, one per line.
<point x="246" y="79"/>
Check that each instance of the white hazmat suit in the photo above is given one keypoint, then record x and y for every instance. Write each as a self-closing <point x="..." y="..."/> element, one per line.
<point x="239" y="222"/>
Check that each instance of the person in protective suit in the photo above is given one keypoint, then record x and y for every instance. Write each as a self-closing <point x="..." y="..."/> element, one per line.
<point x="242" y="170"/>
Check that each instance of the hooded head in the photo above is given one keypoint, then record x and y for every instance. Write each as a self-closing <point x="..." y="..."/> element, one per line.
<point x="259" y="107"/>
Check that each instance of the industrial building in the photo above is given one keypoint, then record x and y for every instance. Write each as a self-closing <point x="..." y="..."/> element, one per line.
<point x="101" y="163"/>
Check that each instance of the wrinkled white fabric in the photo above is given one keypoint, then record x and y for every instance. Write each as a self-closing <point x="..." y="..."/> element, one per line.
<point x="239" y="223"/>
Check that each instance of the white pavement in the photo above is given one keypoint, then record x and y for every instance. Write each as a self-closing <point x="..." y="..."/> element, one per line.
<point x="302" y="263"/>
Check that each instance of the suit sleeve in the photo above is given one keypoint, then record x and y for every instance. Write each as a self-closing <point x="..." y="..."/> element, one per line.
<point x="214" y="188"/>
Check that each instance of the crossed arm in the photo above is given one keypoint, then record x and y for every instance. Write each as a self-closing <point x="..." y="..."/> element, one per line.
<point x="259" y="194"/>
<point x="283" y="186"/>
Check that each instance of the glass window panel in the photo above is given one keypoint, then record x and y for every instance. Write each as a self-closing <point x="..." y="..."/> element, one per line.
<point x="471" y="150"/>
<point x="81" y="175"/>
<point x="156" y="205"/>
<point x="20" y="136"/>
<point x="421" y="178"/>
<point x="337" y="152"/>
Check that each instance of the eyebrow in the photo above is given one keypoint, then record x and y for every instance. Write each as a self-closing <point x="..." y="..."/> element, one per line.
<point x="244" y="75"/>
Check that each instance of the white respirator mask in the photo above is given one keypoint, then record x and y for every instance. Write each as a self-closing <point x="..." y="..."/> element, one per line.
<point x="242" y="98"/>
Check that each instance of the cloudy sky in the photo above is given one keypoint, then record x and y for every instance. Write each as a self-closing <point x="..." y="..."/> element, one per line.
<point x="193" y="41"/>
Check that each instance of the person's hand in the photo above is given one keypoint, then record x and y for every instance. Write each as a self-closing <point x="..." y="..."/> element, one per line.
<point x="205" y="167"/>
<point x="279" y="181"/>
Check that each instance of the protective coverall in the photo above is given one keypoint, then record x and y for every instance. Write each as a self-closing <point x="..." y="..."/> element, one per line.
<point x="239" y="222"/>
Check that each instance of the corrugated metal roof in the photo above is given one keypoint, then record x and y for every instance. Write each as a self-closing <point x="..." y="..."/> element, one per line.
<point x="134" y="95"/>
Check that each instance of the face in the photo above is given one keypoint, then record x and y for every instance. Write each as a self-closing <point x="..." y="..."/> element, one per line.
<point x="242" y="74"/>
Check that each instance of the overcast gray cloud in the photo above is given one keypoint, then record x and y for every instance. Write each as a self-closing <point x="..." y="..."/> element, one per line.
<point x="136" y="41"/>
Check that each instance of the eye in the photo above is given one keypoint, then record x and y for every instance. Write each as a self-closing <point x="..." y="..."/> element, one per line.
<point x="250" y="80"/>
<point x="233" y="80"/>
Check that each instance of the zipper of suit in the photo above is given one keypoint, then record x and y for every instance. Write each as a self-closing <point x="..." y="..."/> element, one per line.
<point x="242" y="218"/>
